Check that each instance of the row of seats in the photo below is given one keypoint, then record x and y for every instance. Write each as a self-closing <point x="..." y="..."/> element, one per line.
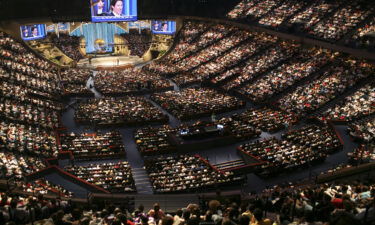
<point x="329" y="20"/>
<point x="113" y="177"/>
<point x="118" y="111"/>
<point x="93" y="145"/>
<point x="184" y="173"/>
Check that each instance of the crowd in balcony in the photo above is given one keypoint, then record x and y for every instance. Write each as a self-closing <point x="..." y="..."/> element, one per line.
<point x="344" y="19"/>
<point x="93" y="145"/>
<point x="259" y="64"/>
<point x="355" y="106"/>
<point x="184" y="173"/>
<point x="228" y="59"/>
<point x="313" y="14"/>
<point x="277" y="80"/>
<point x="333" y="82"/>
<point x="115" y="177"/>
<point x="69" y="45"/>
<point x="322" y="19"/>
<point x="280" y="14"/>
<point x="364" y="36"/>
<point x="190" y="31"/>
<point x="194" y="102"/>
<point x="15" y="165"/>
<point x="210" y="53"/>
<point x="129" y="80"/>
<point x="28" y="92"/>
<point x="190" y="51"/>
<point x="118" y="111"/>
<point x="297" y="148"/>
<point x="138" y="42"/>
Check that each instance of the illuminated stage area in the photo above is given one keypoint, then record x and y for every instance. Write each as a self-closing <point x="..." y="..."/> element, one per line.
<point x="110" y="61"/>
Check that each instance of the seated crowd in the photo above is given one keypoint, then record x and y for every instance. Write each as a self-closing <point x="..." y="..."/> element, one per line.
<point x="296" y="148"/>
<point x="280" y="14"/>
<point x="348" y="202"/>
<point x="364" y="129"/>
<point x="194" y="102"/>
<point x="28" y="107"/>
<point x="93" y="145"/>
<point x="211" y="36"/>
<point x="30" y="114"/>
<point x="266" y="119"/>
<point x="284" y="76"/>
<point x="243" y="126"/>
<point x="333" y="82"/>
<point x="69" y="45"/>
<point x="184" y="173"/>
<point x="17" y="166"/>
<point x="259" y="9"/>
<point x="313" y="14"/>
<point x="211" y="52"/>
<point x="154" y="140"/>
<point x="364" y="37"/>
<point x="253" y="45"/>
<point x="74" y="81"/>
<point x="113" y="177"/>
<point x="360" y="104"/>
<point x="138" y="42"/>
<point x="259" y="64"/>
<point x="118" y="111"/>
<point x="365" y="153"/>
<point x="189" y="32"/>
<point x="326" y="19"/>
<point x="129" y="80"/>
<point x="342" y="21"/>
<point x="44" y="187"/>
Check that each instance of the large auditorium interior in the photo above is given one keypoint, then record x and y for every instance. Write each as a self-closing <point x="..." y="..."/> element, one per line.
<point x="187" y="112"/>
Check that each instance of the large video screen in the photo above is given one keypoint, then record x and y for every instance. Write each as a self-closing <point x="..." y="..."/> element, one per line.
<point x="163" y="27"/>
<point x="113" y="10"/>
<point x="32" y="32"/>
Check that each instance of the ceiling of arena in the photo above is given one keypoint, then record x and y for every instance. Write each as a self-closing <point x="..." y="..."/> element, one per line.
<point x="78" y="10"/>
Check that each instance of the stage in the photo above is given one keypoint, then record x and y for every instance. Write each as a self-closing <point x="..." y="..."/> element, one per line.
<point x="110" y="62"/>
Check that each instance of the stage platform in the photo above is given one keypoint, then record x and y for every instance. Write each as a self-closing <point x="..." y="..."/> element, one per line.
<point x="106" y="62"/>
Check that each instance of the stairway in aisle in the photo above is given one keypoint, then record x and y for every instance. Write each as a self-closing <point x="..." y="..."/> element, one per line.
<point x="142" y="181"/>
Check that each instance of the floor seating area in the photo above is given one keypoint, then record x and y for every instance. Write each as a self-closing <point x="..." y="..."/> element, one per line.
<point x="184" y="173"/>
<point x="129" y="80"/>
<point x="196" y="102"/>
<point x="86" y="146"/>
<point x="118" y="111"/>
<point x="114" y="177"/>
<point x="297" y="148"/>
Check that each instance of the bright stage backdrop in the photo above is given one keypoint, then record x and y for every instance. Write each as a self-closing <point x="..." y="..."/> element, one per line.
<point x="99" y="36"/>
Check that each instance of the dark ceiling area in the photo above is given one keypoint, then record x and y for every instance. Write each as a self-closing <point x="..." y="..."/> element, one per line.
<point x="78" y="10"/>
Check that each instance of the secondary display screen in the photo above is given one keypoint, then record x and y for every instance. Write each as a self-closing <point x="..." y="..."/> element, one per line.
<point x="32" y="32"/>
<point x="113" y="10"/>
<point x="163" y="27"/>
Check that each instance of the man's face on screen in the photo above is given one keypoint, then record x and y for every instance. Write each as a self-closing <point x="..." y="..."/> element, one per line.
<point x="117" y="8"/>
